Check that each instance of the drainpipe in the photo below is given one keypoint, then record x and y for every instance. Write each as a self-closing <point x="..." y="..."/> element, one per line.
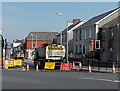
<point x="1" y="50"/>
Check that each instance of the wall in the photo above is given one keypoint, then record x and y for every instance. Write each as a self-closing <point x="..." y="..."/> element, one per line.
<point x="39" y="43"/>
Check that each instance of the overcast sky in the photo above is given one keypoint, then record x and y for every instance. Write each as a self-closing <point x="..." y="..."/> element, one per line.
<point x="20" y="18"/>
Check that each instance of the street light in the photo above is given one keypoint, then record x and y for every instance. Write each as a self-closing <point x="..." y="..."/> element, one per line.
<point x="67" y="42"/>
<point x="60" y="14"/>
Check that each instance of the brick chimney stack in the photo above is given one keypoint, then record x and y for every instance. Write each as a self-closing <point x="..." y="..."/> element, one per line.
<point x="75" y="21"/>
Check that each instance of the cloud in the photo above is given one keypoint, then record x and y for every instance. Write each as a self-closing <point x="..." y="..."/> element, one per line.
<point x="11" y="8"/>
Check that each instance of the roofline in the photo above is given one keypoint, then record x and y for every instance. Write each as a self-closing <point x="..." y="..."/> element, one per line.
<point x="78" y="25"/>
<point x="106" y="16"/>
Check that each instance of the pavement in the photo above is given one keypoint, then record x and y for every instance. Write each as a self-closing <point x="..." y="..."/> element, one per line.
<point x="16" y="79"/>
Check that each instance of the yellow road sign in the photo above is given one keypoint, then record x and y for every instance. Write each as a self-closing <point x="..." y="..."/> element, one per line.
<point x="17" y="62"/>
<point x="10" y="64"/>
<point x="49" y="65"/>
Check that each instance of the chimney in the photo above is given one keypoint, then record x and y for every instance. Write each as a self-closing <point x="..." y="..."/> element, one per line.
<point x="75" y="21"/>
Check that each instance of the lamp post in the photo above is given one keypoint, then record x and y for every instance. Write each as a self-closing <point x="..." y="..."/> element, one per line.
<point x="60" y="14"/>
<point x="67" y="43"/>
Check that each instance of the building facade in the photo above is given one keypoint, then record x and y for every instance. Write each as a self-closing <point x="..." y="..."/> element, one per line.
<point x="90" y="31"/>
<point x="36" y="40"/>
<point x="69" y="33"/>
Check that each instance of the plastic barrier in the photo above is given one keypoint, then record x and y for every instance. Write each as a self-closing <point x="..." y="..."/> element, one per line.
<point x="77" y="65"/>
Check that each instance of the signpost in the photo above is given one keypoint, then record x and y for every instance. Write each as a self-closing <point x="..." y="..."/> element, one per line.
<point x="66" y="66"/>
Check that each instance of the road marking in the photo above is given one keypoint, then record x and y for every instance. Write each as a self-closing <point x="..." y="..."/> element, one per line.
<point x="108" y="80"/>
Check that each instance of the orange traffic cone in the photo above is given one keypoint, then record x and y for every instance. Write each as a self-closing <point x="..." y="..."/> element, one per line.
<point x="89" y="69"/>
<point x="80" y="65"/>
<point x="113" y="70"/>
<point x="27" y="67"/>
<point x="37" y="68"/>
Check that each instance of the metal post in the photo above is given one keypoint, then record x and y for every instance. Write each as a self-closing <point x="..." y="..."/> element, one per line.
<point x="1" y="49"/>
<point x="5" y="48"/>
<point x="67" y="43"/>
<point x="60" y="14"/>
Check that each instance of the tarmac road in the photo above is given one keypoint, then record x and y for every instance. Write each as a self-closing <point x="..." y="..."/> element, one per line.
<point x="16" y="79"/>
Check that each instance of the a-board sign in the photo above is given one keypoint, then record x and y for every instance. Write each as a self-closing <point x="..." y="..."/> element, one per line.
<point x="49" y="65"/>
<point x="10" y="63"/>
<point x="17" y="62"/>
<point x="66" y="66"/>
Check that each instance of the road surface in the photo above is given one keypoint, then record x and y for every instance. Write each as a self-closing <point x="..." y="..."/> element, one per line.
<point x="16" y="79"/>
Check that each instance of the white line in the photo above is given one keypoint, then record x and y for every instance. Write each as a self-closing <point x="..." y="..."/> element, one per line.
<point x="116" y="81"/>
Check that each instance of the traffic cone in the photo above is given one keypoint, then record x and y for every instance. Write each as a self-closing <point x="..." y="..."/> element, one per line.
<point x="89" y="69"/>
<point x="80" y="65"/>
<point x="113" y="70"/>
<point x="27" y="67"/>
<point x="37" y="68"/>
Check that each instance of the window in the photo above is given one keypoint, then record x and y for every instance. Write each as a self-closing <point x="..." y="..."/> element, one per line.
<point x="76" y="48"/>
<point x="103" y="34"/>
<point x="90" y="33"/>
<point x="80" y="34"/>
<point x="111" y="33"/>
<point x="80" y="49"/>
<point x="86" y="34"/>
<point x="76" y="35"/>
<point x="33" y="45"/>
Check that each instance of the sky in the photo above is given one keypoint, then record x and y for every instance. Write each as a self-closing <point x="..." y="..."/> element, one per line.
<point x="20" y="18"/>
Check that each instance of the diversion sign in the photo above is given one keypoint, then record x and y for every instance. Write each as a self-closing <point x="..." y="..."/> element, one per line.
<point x="49" y="65"/>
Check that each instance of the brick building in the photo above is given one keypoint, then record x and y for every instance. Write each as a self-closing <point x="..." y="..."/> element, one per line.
<point x="36" y="40"/>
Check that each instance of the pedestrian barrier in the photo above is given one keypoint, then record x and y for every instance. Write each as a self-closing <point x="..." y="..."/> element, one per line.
<point x="27" y="67"/>
<point x="37" y="68"/>
<point x="77" y="65"/>
<point x="89" y="69"/>
<point x="113" y="70"/>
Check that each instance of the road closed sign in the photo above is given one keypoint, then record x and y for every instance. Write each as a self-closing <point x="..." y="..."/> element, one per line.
<point x="49" y="65"/>
<point x="17" y="62"/>
<point x="66" y="66"/>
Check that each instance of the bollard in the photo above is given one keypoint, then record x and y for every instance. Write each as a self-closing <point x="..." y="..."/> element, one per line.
<point x="73" y="65"/>
<point x="37" y="68"/>
<point x="80" y="65"/>
<point x="27" y="67"/>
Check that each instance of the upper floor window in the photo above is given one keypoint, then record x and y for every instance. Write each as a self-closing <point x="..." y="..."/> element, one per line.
<point x="103" y="34"/>
<point x="90" y="33"/>
<point x="33" y="45"/>
<point x="76" y="35"/>
<point x="80" y="33"/>
<point x="86" y="34"/>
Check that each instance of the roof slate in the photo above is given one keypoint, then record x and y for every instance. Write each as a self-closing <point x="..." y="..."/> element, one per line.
<point x="43" y="36"/>
<point x="93" y="20"/>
